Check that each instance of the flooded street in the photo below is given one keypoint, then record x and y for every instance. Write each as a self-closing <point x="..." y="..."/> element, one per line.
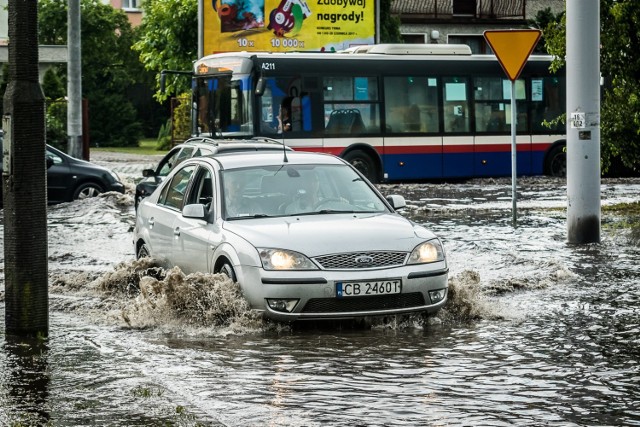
<point x="535" y="332"/>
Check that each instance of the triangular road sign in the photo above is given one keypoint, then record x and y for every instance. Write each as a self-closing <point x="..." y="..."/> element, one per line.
<point x="512" y="48"/>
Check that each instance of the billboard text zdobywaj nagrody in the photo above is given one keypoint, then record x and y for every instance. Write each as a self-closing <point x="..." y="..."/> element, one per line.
<point x="287" y="25"/>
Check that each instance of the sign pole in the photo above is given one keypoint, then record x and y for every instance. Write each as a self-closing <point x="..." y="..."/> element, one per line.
<point x="512" y="49"/>
<point x="514" y="155"/>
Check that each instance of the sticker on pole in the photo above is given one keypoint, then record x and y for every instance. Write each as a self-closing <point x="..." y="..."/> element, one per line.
<point x="578" y="120"/>
<point x="512" y="48"/>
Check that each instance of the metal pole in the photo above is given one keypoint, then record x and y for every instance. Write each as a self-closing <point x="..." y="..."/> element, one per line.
<point x="200" y="29"/>
<point x="583" y="124"/>
<point x="74" y="81"/>
<point x="514" y="155"/>
<point x="24" y="181"/>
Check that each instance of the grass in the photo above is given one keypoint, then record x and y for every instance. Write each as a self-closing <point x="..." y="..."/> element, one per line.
<point x="145" y="146"/>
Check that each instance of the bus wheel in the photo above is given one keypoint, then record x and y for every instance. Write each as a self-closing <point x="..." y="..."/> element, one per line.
<point x="556" y="161"/>
<point x="364" y="163"/>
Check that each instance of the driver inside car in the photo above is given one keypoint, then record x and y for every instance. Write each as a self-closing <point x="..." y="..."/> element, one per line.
<point x="307" y="195"/>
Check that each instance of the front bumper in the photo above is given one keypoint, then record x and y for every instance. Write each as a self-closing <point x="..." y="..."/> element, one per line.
<point x="317" y="296"/>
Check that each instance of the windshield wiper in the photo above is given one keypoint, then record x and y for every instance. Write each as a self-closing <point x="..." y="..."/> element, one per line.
<point x="331" y="211"/>
<point x="248" y="216"/>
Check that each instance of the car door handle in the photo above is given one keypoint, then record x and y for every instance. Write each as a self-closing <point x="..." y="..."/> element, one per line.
<point x="152" y="221"/>
<point x="176" y="231"/>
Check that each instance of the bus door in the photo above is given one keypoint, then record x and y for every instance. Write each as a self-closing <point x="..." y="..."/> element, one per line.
<point x="457" y="141"/>
<point x="492" y="114"/>
<point x="412" y="138"/>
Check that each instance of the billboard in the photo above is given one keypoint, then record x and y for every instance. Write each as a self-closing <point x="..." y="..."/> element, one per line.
<point x="287" y="25"/>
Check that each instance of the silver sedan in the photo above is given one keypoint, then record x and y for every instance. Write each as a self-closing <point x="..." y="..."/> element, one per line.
<point x="305" y="235"/>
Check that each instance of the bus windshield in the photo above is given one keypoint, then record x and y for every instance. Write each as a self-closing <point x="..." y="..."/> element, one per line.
<point x="222" y="106"/>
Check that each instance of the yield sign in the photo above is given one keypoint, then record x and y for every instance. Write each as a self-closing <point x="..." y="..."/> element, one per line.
<point x="512" y="48"/>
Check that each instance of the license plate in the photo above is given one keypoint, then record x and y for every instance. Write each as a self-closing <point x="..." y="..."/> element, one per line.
<point x="375" y="287"/>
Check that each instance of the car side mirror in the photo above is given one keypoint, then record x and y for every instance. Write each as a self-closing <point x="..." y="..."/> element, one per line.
<point x="396" y="201"/>
<point x="148" y="172"/>
<point x="49" y="161"/>
<point x="196" y="211"/>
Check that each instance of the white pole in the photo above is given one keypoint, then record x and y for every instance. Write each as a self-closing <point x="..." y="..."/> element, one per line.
<point x="74" y="81"/>
<point x="583" y="121"/>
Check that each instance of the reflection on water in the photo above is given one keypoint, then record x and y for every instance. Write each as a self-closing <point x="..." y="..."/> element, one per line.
<point x="26" y="375"/>
<point x="536" y="331"/>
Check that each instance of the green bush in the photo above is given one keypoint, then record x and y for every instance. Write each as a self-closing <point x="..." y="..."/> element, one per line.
<point x="56" y="124"/>
<point x="164" y="137"/>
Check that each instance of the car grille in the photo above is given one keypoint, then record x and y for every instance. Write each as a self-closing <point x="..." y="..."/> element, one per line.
<point x="356" y="304"/>
<point x="358" y="260"/>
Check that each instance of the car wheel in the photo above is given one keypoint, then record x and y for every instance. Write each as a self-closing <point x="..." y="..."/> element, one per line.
<point x="364" y="163"/>
<point x="227" y="270"/>
<point x="556" y="161"/>
<point x="86" y="190"/>
<point x="143" y="251"/>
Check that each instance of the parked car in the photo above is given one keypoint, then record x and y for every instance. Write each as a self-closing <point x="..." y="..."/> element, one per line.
<point x="70" y="179"/>
<point x="194" y="147"/>
<point x="305" y="235"/>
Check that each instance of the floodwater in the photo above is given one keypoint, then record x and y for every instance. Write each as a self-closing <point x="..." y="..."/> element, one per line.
<point x="536" y="331"/>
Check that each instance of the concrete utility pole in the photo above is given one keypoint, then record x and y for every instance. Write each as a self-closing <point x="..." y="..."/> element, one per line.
<point x="74" y="81"/>
<point x="583" y="124"/>
<point x="24" y="180"/>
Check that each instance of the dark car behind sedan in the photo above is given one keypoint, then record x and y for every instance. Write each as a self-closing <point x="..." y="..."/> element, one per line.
<point x="70" y="179"/>
<point x="195" y="147"/>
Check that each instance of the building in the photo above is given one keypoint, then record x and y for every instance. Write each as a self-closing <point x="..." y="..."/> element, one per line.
<point x="133" y="9"/>
<point x="464" y="21"/>
<point x="48" y="55"/>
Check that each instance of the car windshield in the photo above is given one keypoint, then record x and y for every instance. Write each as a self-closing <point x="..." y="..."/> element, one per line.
<point x="297" y="190"/>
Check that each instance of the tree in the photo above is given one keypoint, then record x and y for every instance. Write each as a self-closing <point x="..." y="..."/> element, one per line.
<point x="169" y="40"/>
<point x="389" y="24"/>
<point x="109" y="66"/>
<point x="620" y="67"/>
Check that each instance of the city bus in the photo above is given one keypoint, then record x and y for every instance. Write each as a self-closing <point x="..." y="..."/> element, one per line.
<point x="396" y="112"/>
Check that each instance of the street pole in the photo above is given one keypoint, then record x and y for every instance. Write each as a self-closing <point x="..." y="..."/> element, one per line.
<point x="583" y="121"/>
<point x="24" y="181"/>
<point x="74" y="81"/>
<point x="514" y="157"/>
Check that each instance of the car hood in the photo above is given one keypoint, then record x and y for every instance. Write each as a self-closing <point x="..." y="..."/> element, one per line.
<point x="89" y="167"/>
<point x="315" y="235"/>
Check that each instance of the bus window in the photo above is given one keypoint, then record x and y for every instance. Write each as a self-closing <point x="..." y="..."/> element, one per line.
<point x="493" y="104"/>
<point x="222" y="105"/>
<point x="351" y="105"/>
<point x="455" y="103"/>
<point x="547" y="97"/>
<point x="285" y="93"/>
<point x="411" y="104"/>
<point x="350" y="88"/>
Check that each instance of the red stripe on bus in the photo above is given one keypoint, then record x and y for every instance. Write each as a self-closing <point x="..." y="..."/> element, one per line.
<point x="437" y="149"/>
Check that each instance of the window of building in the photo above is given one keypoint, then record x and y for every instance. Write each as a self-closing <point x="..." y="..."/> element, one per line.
<point x="414" y="38"/>
<point x="464" y="7"/>
<point x="477" y="43"/>
<point x="131" y="4"/>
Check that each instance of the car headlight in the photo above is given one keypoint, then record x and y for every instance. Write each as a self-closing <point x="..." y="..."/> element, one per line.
<point x="430" y="251"/>
<point x="282" y="259"/>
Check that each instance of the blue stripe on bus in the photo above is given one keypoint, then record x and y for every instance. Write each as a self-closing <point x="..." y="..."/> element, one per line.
<point x="459" y="165"/>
